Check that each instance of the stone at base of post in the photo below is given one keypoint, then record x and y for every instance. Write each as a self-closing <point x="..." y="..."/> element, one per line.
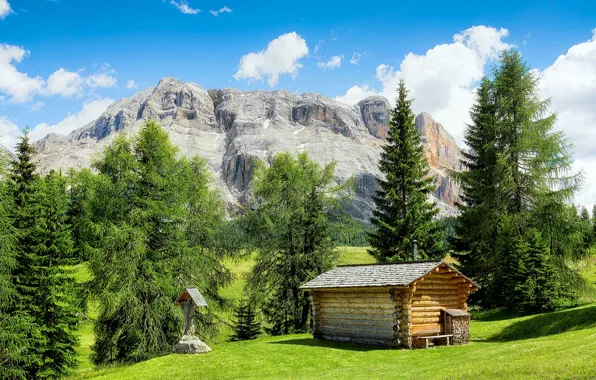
<point x="190" y="345"/>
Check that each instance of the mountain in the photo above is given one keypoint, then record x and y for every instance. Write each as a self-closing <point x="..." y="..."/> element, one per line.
<point x="229" y="128"/>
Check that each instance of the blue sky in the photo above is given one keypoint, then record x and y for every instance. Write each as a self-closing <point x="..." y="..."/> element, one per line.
<point x="101" y="46"/>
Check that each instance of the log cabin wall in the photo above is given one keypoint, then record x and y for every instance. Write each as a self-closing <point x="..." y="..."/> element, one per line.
<point x="443" y="288"/>
<point x="364" y="316"/>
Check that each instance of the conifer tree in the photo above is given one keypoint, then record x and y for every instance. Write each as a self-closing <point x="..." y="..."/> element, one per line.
<point x="481" y="207"/>
<point x="53" y="306"/>
<point x="594" y="222"/>
<point x="155" y="226"/>
<point x="403" y="212"/>
<point x="524" y="183"/>
<point x="289" y="229"/>
<point x="17" y="331"/>
<point x="44" y="289"/>
<point x="246" y="326"/>
<point x="528" y="279"/>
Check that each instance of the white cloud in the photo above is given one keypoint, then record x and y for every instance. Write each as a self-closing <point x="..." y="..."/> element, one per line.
<point x="101" y="80"/>
<point x="183" y="7"/>
<point x="4" y="9"/>
<point x="571" y="83"/>
<point x="19" y="86"/>
<point x="332" y="63"/>
<point x="91" y="111"/>
<point x="355" y="58"/>
<point x="64" y="83"/>
<point x="318" y="46"/>
<point x="38" y="106"/>
<point x="131" y="84"/>
<point x="280" y="57"/>
<point x="442" y="81"/>
<point x="220" y="10"/>
<point x="9" y="133"/>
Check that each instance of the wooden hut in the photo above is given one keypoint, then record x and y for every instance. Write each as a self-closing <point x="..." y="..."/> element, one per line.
<point x="392" y="305"/>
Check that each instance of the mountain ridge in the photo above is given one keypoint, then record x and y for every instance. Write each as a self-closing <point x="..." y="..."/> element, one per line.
<point x="230" y="128"/>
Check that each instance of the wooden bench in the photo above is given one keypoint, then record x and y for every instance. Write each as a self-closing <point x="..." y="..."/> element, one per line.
<point x="428" y="337"/>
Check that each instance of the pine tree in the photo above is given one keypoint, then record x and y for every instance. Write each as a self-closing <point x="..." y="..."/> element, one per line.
<point x="289" y="229"/>
<point x="403" y="212"/>
<point x="156" y="226"/>
<point x="246" y="326"/>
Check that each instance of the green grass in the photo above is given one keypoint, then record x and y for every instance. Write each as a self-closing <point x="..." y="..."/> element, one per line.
<point x="544" y="346"/>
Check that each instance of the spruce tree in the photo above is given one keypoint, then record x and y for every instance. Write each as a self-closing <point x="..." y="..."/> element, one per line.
<point x="17" y="331"/>
<point x="481" y="209"/>
<point x="54" y="305"/>
<point x="44" y="289"/>
<point x="403" y="212"/>
<point x="246" y="326"/>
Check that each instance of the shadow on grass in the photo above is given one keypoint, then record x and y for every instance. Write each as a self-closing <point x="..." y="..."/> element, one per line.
<point x="549" y="324"/>
<point x="322" y="343"/>
<point x="493" y="315"/>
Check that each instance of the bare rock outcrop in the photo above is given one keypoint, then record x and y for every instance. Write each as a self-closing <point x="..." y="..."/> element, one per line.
<point x="232" y="128"/>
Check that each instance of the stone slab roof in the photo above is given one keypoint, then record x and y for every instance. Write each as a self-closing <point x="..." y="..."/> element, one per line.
<point x="456" y="312"/>
<point x="194" y="294"/>
<point x="360" y="276"/>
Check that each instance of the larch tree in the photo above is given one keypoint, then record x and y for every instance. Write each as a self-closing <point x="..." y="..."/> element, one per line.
<point x="403" y="212"/>
<point x="288" y="226"/>
<point x="155" y="227"/>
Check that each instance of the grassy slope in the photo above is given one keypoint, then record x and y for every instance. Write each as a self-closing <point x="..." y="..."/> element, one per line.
<point x="554" y="345"/>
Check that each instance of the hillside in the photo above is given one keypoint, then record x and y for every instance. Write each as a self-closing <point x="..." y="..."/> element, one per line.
<point x="230" y="128"/>
<point x="545" y="346"/>
<point x="550" y="345"/>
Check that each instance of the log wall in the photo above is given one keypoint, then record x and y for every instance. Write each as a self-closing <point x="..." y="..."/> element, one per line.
<point x="364" y="316"/>
<point x="444" y="288"/>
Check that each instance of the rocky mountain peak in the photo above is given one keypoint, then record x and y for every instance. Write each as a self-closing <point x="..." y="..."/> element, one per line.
<point x="231" y="128"/>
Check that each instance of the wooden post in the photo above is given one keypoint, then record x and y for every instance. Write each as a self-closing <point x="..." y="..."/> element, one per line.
<point x="188" y="309"/>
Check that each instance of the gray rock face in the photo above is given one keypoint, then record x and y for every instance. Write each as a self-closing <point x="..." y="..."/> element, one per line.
<point x="230" y="128"/>
<point x="190" y="345"/>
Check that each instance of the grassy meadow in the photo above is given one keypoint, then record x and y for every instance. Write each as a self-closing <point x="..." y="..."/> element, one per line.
<point x="543" y="346"/>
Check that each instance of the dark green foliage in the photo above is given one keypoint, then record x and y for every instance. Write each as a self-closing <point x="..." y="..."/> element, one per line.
<point x="289" y="228"/>
<point x="482" y="210"/>
<point x="403" y="212"/>
<point x="43" y="304"/>
<point x="246" y="325"/>
<point x="17" y="331"/>
<point x="587" y="228"/>
<point x="53" y="303"/>
<point x="348" y="231"/>
<point x="155" y="227"/>
<point x="516" y="233"/>
<point x="594" y="222"/>
<point x="528" y="279"/>
<point x="80" y="193"/>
